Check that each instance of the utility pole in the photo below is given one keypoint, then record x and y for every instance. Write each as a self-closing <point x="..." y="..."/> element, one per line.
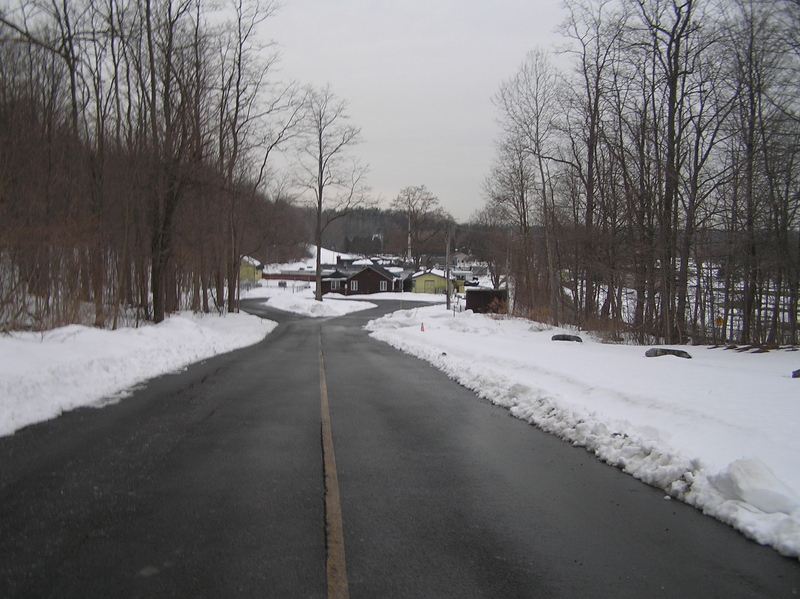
<point x="408" y="258"/>
<point x="447" y="263"/>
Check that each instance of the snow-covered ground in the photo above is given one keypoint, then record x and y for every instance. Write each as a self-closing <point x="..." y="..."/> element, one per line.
<point x="720" y="431"/>
<point x="298" y="297"/>
<point x="326" y="256"/>
<point x="45" y="374"/>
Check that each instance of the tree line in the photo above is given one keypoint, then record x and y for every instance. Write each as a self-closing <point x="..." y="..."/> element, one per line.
<point x="137" y="142"/>
<point x="651" y="188"/>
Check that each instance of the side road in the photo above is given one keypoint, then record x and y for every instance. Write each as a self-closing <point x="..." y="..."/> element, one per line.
<point x="209" y="483"/>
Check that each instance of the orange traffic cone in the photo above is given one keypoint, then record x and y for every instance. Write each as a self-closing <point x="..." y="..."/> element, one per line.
<point x="422" y="327"/>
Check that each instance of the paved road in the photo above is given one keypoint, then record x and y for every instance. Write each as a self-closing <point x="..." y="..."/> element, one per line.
<point x="209" y="483"/>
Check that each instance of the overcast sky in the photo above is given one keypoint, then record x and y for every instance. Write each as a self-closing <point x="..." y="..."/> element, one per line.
<point x="419" y="76"/>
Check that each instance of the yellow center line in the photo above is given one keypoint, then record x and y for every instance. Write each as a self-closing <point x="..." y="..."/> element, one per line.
<point x="334" y="532"/>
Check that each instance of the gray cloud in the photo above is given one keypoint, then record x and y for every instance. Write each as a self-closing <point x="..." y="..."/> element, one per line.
<point x="419" y="76"/>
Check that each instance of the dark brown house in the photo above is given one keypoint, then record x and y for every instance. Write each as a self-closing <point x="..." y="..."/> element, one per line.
<point x="371" y="279"/>
<point x="334" y="282"/>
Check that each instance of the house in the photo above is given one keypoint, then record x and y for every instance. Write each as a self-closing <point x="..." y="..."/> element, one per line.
<point x="334" y="282"/>
<point x="460" y="261"/>
<point x="431" y="261"/>
<point x="371" y="279"/>
<point x="433" y="281"/>
<point x="250" y="270"/>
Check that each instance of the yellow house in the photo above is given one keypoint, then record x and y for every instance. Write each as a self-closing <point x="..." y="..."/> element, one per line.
<point x="250" y="270"/>
<point x="432" y="281"/>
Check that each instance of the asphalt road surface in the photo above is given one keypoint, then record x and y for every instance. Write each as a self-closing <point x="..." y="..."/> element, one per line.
<point x="211" y="482"/>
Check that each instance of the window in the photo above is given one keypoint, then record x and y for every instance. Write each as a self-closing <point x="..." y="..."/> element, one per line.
<point x="353" y="285"/>
<point x="335" y="285"/>
<point x="384" y="285"/>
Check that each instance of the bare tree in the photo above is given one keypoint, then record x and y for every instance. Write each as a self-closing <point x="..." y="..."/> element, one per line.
<point x="527" y="103"/>
<point x="594" y="27"/>
<point x="510" y="192"/>
<point x="119" y="197"/>
<point x="326" y="167"/>
<point x="764" y="153"/>
<point x="425" y="219"/>
<point x="251" y="126"/>
<point x="669" y="29"/>
<point x="488" y="241"/>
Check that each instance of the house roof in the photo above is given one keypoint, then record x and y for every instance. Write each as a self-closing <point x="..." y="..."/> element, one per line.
<point x="378" y="269"/>
<point x="430" y="271"/>
<point x="336" y="274"/>
<point x="252" y="261"/>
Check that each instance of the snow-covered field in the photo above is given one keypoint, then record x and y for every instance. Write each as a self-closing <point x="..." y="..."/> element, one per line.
<point x="327" y="257"/>
<point x="720" y="431"/>
<point x="45" y="374"/>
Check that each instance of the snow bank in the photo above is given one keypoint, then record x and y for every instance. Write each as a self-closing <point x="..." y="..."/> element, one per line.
<point x="308" y="306"/>
<point x="43" y="375"/>
<point x="300" y="300"/>
<point x="718" y="431"/>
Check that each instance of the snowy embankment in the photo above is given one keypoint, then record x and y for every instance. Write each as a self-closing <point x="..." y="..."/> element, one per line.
<point x="45" y="374"/>
<point x="719" y="431"/>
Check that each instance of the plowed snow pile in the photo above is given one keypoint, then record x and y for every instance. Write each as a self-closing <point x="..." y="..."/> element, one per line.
<point x="720" y="431"/>
<point x="45" y="374"/>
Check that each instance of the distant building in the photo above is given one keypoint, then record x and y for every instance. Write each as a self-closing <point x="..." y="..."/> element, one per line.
<point x="371" y="274"/>
<point x="433" y="281"/>
<point x="371" y="279"/>
<point x="334" y="282"/>
<point x="461" y="261"/>
<point x="250" y="271"/>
